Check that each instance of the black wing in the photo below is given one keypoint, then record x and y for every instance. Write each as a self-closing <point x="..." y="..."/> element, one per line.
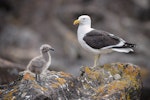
<point x="99" y="39"/>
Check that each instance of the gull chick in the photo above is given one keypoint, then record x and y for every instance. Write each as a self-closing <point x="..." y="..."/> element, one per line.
<point x="41" y="63"/>
<point x="98" y="41"/>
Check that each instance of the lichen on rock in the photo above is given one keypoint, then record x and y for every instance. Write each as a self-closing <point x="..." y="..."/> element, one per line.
<point x="108" y="82"/>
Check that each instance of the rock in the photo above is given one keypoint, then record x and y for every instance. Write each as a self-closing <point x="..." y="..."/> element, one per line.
<point x="117" y="77"/>
<point x="100" y="86"/>
<point x="93" y="84"/>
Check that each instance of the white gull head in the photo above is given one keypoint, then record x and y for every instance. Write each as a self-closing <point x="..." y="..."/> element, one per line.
<point x="84" y="20"/>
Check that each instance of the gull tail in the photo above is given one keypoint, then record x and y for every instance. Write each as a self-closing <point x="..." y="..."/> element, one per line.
<point x="127" y="47"/>
<point x="125" y="50"/>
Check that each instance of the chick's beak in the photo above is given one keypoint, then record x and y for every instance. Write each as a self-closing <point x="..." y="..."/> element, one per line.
<point x="76" y="22"/>
<point x="52" y="49"/>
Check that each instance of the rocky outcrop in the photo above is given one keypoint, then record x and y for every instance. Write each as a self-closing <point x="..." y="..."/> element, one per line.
<point x="111" y="81"/>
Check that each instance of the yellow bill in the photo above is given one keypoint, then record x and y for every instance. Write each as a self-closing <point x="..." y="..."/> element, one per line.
<point x="76" y="22"/>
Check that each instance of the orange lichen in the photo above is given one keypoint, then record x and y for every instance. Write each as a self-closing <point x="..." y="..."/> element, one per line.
<point x="28" y="76"/>
<point x="61" y="80"/>
<point x="65" y="74"/>
<point x="39" y="87"/>
<point x="100" y="89"/>
<point x="129" y="79"/>
<point x="9" y="95"/>
<point x="87" y="70"/>
<point x="117" y="85"/>
<point x="114" y="68"/>
<point x="55" y="85"/>
<point x="127" y="84"/>
<point x="93" y="74"/>
<point x="112" y="87"/>
<point x="106" y="66"/>
<point x="120" y="67"/>
<point x="130" y="73"/>
<point x="133" y="81"/>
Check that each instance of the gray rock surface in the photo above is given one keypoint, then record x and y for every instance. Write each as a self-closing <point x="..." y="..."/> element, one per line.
<point x="92" y="84"/>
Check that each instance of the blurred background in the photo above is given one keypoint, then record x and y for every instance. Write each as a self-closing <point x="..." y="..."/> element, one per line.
<point x="27" y="24"/>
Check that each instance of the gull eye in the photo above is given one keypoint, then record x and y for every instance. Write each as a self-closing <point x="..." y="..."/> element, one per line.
<point x="83" y="18"/>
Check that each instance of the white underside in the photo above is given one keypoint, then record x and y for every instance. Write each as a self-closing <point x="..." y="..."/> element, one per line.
<point x="82" y="30"/>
